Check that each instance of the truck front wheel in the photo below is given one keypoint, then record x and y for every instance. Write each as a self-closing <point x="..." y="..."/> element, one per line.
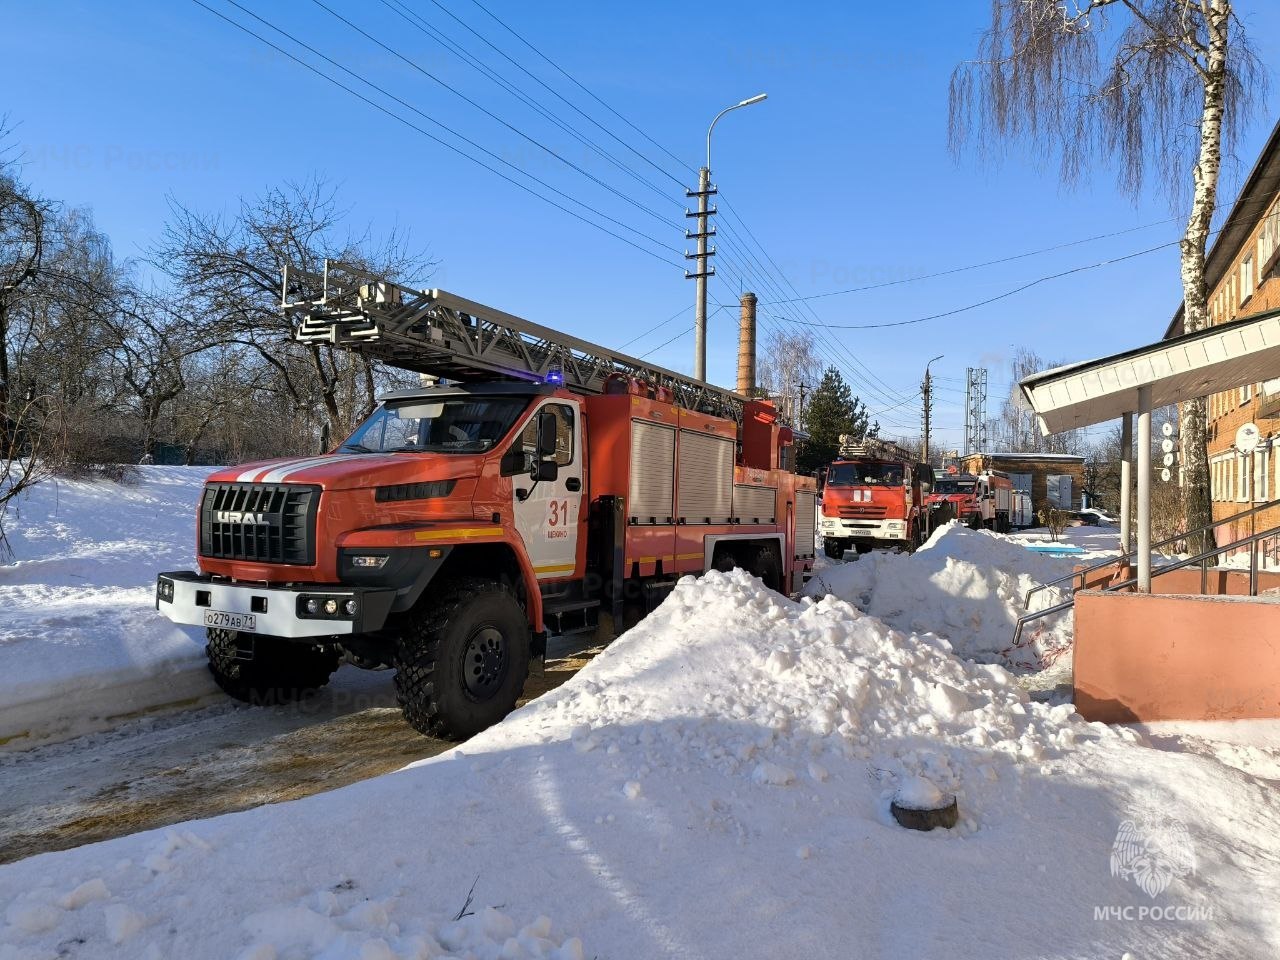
<point x="462" y="658"/>
<point x="266" y="671"/>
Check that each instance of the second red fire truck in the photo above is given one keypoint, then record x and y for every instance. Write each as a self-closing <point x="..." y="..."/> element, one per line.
<point x="874" y="497"/>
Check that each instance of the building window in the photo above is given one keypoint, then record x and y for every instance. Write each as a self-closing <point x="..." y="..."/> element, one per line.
<point x="1242" y="480"/>
<point x="1246" y="393"/>
<point x="1260" y="458"/>
<point x="1269" y="238"/>
<point x="1246" y="278"/>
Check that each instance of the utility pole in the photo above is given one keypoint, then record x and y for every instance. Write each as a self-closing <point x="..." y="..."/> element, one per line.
<point x="702" y="234"/>
<point x="703" y="270"/>
<point x="926" y="391"/>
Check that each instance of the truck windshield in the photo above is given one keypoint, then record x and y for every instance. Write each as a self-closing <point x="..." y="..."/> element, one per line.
<point x="447" y="425"/>
<point x="953" y="486"/>
<point x="865" y="474"/>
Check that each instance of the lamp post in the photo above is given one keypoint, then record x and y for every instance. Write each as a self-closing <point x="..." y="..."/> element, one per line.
<point x="704" y="191"/>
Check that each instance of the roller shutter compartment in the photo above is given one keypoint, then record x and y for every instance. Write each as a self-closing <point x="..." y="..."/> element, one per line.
<point x="653" y="474"/>
<point x="706" y="478"/>
<point x="752" y="504"/>
<point x="806" y="507"/>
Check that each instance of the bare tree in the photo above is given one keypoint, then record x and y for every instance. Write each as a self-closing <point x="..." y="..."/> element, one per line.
<point x="789" y="365"/>
<point x="229" y="270"/>
<point x="1016" y="428"/>
<point x="1167" y="95"/>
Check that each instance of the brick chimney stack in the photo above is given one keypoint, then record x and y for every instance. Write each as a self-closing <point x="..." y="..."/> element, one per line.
<point x="747" y="346"/>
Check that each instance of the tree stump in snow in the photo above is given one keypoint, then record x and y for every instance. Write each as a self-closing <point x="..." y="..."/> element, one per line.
<point x="919" y="805"/>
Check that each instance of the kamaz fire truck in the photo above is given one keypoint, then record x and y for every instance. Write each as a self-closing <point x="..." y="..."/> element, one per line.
<point x="874" y="496"/>
<point x="549" y="486"/>
<point x="984" y="500"/>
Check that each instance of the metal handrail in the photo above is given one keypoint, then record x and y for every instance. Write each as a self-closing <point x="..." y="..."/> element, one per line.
<point x="1251" y="540"/>
<point x="1125" y="555"/>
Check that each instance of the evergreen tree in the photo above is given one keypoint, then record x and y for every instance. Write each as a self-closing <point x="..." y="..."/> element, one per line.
<point x="832" y="411"/>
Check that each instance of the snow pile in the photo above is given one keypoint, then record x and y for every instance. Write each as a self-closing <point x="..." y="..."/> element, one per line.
<point x="80" y="639"/>
<point x="967" y="586"/>
<point x="715" y="784"/>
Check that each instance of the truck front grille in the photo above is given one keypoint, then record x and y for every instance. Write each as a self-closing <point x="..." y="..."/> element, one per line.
<point x="262" y="522"/>
<point x="867" y="512"/>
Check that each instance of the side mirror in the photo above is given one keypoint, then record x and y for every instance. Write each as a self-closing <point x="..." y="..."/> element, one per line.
<point x="544" y="470"/>
<point x="547" y="424"/>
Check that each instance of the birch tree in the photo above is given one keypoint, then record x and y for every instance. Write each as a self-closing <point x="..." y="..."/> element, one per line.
<point x="1157" y="87"/>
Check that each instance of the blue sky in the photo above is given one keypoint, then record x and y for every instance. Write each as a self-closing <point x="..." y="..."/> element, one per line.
<point x="843" y="175"/>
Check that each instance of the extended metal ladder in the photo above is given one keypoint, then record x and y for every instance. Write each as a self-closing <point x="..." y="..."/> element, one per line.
<point x="438" y="333"/>
<point x="1202" y="559"/>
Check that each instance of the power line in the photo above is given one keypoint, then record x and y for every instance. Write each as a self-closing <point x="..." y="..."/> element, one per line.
<point x="1002" y="296"/>
<point x="574" y="81"/>
<point x="462" y="153"/>
<point x="488" y="113"/>
<point x="987" y="263"/>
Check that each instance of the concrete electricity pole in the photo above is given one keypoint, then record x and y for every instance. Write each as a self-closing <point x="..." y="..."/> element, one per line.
<point x="702" y="234"/>
<point x="926" y="391"/>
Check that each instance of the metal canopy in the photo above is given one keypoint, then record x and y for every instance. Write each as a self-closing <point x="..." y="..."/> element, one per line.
<point x="1183" y="368"/>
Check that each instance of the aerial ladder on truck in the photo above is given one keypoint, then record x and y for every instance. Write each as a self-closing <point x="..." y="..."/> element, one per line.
<point x="542" y="485"/>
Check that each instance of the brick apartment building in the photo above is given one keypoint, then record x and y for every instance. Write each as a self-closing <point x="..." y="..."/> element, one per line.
<point x="1243" y="276"/>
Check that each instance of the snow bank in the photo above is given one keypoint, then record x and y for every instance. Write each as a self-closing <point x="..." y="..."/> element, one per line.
<point x="80" y="640"/>
<point x="967" y="586"/>
<point x="715" y="784"/>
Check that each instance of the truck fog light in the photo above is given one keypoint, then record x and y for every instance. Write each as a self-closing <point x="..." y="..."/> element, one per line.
<point x="313" y="606"/>
<point x="331" y="607"/>
<point x="369" y="562"/>
<point x="350" y="606"/>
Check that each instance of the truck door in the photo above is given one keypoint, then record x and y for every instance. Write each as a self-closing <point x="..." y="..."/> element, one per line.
<point x="548" y="516"/>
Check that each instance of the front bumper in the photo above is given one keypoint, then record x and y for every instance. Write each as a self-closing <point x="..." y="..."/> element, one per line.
<point x="842" y="529"/>
<point x="202" y="601"/>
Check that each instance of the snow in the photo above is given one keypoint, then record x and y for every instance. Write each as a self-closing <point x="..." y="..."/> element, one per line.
<point x="968" y="587"/>
<point x="715" y="784"/>
<point x="80" y="640"/>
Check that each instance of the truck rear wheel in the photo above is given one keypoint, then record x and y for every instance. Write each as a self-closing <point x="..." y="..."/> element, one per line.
<point x="767" y="565"/>
<point x="266" y="671"/>
<point x="462" y="658"/>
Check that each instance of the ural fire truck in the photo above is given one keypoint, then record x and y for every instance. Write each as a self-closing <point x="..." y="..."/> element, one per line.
<point x="984" y="500"/>
<point x="874" y="496"/>
<point x="551" y="486"/>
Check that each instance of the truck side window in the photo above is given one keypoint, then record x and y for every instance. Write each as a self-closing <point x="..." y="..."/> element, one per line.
<point x="564" y="433"/>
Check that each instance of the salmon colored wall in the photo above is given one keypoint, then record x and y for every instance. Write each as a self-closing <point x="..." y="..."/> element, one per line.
<point x="1141" y="657"/>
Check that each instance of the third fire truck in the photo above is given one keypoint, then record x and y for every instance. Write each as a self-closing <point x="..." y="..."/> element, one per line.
<point x="984" y="500"/>
<point x="550" y="484"/>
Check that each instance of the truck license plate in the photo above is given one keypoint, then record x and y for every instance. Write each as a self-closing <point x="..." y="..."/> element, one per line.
<point x="230" y="621"/>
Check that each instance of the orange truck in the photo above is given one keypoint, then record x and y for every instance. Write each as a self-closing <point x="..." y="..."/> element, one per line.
<point x="874" y="497"/>
<point x="551" y="487"/>
<point x="984" y="500"/>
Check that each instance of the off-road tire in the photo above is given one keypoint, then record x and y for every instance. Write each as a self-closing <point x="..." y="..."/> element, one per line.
<point x="724" y="560"/>
<point x="280" y="671"/>
<point x="464" y="626"/>
<point x="833" y="549"/>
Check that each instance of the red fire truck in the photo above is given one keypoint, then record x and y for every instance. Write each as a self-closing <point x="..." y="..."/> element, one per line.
<point x="984" y="500"/>
<point x="550" y="486"/>
<point x="874" y="496"/>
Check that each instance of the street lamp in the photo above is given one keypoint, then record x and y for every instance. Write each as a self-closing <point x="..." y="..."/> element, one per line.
<point x="704" y="191"/>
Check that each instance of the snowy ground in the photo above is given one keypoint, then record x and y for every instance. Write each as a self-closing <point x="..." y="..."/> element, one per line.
<point x="969" y="586"/>
<point x="80" y="641"/>
<point x="715" y="784"/>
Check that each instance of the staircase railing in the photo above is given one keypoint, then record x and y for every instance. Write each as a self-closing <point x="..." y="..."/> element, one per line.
<point x="1203" y="558"/>
<point x="1084" y="572"/>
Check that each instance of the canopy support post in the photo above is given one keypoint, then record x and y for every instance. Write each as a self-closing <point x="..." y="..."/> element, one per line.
<point x="1144" y="489"/>
<point x="1126" y="484"/>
